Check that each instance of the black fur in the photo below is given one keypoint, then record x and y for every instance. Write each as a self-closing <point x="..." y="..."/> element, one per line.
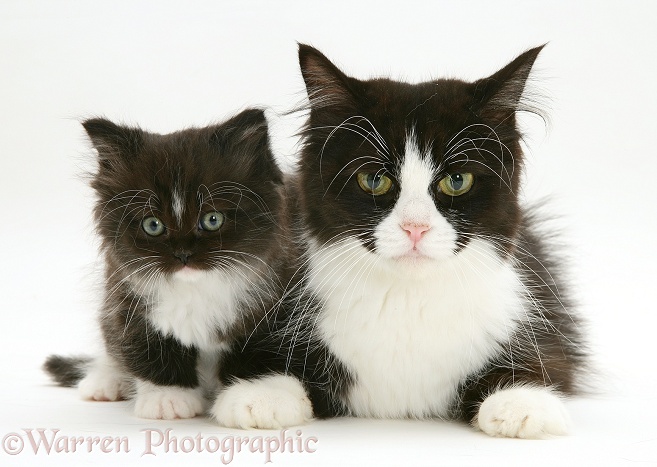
<point x="66" y="371"/>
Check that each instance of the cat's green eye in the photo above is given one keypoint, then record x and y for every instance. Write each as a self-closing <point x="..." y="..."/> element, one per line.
<point x="456" y="184"/>
<point x="211" y="221"/>
<point x="374" y="183"/>
<point x="153" y="226"/>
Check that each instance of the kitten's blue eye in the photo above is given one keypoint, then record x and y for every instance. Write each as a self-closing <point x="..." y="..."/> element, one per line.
<point x="374" y="183"/>
<point x="153" y="226"/>
<point x="211" y="221"/>
<point x="456" y="184"/>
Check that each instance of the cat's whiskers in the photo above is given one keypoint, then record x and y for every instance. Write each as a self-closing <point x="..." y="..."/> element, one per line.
<point x="525" y="324"/>
<point x="267" y="278"/>
<point x="149" y="298"/>
<point x="125" y="211"/>
<point x="140" y="288"/>
<point x="131" y="210"/>
<point x="449" y="146"/>
<point x="335" y="240"/>
<point x="220" y="252"/>
<point x="467" y="160"/>
<point x="231" y="275"/>
<point x="262" y="290"/>
<point x="300" y="314"/>
<point x="140" y="202"/>
<point x="480" y="151"/>
<point x="371" y="262"/>
<point x="347" y="124"/>
<point x="381" y="149"/>
<point x="450" y="151"/>
<point x="121" y="270"/>
<point x="356" y="170"/>
<point x="127" y="278"/>
<point x="126" y="194"/>
<point x="531" y="318"/>
<point x="229" y="187"/>
<point x="499" y="246"/>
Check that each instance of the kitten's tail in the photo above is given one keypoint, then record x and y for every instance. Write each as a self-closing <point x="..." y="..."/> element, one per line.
<point x="67" y="371"/>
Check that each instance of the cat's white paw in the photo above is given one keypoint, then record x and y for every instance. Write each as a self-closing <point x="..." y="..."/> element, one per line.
<point x="104" y="382"/>
<point x="167" y="402"/>
<point x="271" y="402"/>
<point x="523" y="412"/>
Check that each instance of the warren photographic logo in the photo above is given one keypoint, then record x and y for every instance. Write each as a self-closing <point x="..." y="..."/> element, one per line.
<point x="154" y="442"/>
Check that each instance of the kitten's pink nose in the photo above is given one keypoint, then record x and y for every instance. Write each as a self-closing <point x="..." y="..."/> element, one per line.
<point x="415" y="231"/>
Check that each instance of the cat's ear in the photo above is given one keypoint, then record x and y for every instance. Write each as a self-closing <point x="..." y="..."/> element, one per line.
<point x="326" y="85"/>
<point x="248" y="129"/>
<point x="501" y="95"/>
<point x="114" y="143"/>
<point x="246" y="136"/>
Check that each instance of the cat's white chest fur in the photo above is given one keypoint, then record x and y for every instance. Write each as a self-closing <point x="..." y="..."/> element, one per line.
<point x="410" y="339"/>
<point x="192" y="306"/>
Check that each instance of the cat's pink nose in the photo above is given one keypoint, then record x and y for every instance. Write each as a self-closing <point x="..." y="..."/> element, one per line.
<point x="415" y="231"/>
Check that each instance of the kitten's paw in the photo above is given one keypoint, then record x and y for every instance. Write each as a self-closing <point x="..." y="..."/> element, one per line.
<point x="167" y="402"/>
<point x="523" y="412"/>
<point x="104" y="382"/>
<point x="271" y="402"/>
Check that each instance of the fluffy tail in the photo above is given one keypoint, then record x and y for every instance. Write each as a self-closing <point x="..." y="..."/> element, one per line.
<point x="66" y="371"/>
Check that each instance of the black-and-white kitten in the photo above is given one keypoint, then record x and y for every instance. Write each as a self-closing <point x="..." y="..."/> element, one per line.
<point x="424" y="289"/>
<point x="193" y="243"/>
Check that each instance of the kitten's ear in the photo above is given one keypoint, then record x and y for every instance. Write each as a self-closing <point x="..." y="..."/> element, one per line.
<point x="248" y="128"/>
<point x="326" y="85"/>
<point x="246" y="136"/>
<point x="114" y="143"/>
<point x="501" y="95"/>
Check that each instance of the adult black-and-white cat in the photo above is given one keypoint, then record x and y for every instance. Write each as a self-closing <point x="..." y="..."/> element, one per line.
<point x="425" y="289"/>
<point x="193" y="243"/>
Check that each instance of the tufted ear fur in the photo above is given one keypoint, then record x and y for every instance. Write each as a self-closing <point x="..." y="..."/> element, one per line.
<point x="502" y="94"/>
<point x="114" y="143"/>
<point x="326" y="85"/>
<point x="247" y="135"/>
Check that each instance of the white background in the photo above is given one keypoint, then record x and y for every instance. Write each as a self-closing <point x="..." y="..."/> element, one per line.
<point x="165" y="67"/>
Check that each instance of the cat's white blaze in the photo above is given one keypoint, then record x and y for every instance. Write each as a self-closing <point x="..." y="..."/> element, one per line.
<point x="192" y="311"/>
<point x="408" y="329"/>
<point x="415" y="206"/>
<point x="178" y="205"/>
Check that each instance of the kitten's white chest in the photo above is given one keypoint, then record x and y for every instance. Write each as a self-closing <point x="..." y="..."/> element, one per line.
<point x="194" y="309"/>
<point x="410" y="340"/>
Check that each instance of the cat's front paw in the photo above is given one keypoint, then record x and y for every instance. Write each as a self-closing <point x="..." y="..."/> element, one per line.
<point x="271" y="402"/>
<point x="522" y="412"/>
<point x="167" y="402"/>
<point x="104" y="382"/>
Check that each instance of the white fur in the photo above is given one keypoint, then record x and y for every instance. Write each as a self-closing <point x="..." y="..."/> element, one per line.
<point x="523" y="412"/>
<point x="415" y="206"/>
<point x="167" y="402"/>
<point x="178" y="205"/>
<point x="411" y="324"/>
<point x="270" y="402"/>
<point x="192" y="305"/>
<point x="105" y="381"/>
<point x="408" y="339"/>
